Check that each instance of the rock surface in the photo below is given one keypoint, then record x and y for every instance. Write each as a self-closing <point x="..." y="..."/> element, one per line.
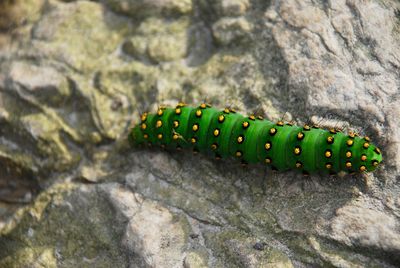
<point x="74" y="74"/>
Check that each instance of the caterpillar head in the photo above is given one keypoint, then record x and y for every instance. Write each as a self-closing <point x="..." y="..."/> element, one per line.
<point x="362" y="155"/>
<point x="371" y="156"/>
<point x="374" y="158"/>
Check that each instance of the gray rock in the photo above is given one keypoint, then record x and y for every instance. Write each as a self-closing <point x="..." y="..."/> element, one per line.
<point x="366" y="227"/>
<point x="45" y="83"/>
<point x="75" y="75"/>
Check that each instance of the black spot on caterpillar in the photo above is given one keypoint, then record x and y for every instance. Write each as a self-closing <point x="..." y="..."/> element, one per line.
<point x="252" y="139"/>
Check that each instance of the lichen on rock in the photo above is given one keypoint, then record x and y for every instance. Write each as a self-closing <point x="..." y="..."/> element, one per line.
<point x="160" y="40"/>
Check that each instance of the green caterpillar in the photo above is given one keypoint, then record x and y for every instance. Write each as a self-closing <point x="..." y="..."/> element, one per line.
<point x="252" y="139"/>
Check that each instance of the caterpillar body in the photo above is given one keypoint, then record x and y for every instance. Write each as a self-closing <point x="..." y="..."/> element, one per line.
<point x="252" y="139"/>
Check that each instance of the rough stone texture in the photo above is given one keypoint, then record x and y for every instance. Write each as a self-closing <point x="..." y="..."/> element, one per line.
<point x="159" y="40"/>
<point x="143" y="8"/>
<point x="74" y="74"/>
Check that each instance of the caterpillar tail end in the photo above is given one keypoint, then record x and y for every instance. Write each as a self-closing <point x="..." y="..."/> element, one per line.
<point x="135" y="137"/>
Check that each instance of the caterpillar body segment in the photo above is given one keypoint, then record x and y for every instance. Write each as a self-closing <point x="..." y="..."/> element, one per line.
<point x="251" y="139"/>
